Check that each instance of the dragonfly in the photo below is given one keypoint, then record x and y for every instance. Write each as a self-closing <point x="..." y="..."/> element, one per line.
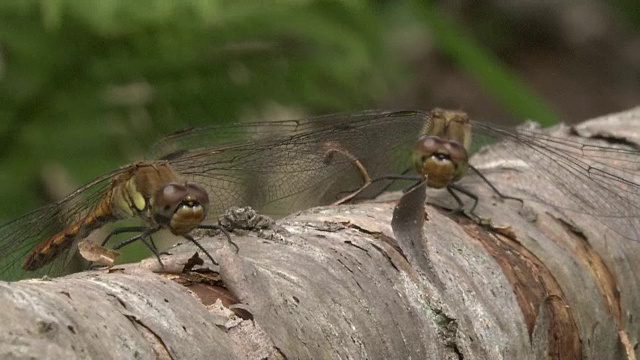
<point x="600" y="181"/>
<point x="279" y="167"/>
<point x="192" y="175"/>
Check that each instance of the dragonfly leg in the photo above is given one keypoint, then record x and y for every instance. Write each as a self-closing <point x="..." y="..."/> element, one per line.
<point x="123" y="230"/>
<point x="460" y="207"/>
<point x="402" y="177"/>
<point x="415" y="178"/>
<point x="190" y="238"/>
<point x="417" y="183"/>
<point x="216" y="227"/>
<point x="142" y="237"/>
<point x="151" y="247"/>
<point x="474" y="197"/>
<point x="128" y="241"/>
<point x="502" y="196"/>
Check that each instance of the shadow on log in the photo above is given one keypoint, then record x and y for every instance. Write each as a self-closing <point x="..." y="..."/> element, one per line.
<point x="340" y="282"/>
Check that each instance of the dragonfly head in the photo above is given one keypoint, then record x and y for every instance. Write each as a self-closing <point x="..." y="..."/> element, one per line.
<point x="180" y="207"/>
<point x="449" y="124"/>
<point x="441" y="161"/>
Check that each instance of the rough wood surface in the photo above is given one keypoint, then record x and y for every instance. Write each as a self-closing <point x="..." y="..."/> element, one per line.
<point x="341" y="282"/>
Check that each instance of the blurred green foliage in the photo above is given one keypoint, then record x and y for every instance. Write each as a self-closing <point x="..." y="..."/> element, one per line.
<point x="467" y="53"/>
<point x="92" y="83"/>
<point x="628" y="10"/>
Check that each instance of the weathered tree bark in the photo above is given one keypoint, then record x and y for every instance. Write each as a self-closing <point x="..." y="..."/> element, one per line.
<point x="341" y="282"/>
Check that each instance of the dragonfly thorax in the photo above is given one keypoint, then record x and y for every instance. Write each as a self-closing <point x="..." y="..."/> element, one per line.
<point x="440" y="161"/>
<point x="180" y="207"/>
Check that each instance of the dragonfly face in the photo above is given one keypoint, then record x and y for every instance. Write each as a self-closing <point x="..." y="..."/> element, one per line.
<point x="442" y="162"/>
<point x="180" y="207"/>
<point x="441" y="154"/>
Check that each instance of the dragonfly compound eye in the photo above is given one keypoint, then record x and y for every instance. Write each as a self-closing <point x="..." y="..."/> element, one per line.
<point x="198" y="192"/>
<point x="169" y="197"/>
<point x="441" y="162"/>
<point x="180" y="207"/>
<point x="457" y="152"/>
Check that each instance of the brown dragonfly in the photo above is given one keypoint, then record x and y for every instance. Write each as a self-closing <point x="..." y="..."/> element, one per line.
<point x="283" y="166"/>
<point x="276" y="167"/>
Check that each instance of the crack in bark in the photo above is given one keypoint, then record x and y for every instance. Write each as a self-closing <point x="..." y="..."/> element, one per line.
<point x="155" y="341"/>
<point x="604" y="279"/>
<point x="534" y="287"/>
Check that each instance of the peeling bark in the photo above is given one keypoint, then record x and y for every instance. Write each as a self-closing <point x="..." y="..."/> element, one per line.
<point x="341" y="282"/>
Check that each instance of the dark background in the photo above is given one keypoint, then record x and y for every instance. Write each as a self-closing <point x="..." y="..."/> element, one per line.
<point x="87" y="86"/>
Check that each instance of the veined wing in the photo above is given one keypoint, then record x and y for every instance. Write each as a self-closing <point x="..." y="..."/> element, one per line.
<point x="315" y="160"/>
<point x="598" y="180"/>
<point x="314" y="164"/>
<point x="303" y="169"/>
<point x="207" y="137"/>
<point x="20" y="236"/>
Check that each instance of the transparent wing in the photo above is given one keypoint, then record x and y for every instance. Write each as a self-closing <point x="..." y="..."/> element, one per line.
<point x="600" y="181"/>
<point x="292" y="164"/>
<point x="176" y="144"/>
<point x="19" y="237"/>
<point x="282" y="167"/>
<point x="314" y="165"/>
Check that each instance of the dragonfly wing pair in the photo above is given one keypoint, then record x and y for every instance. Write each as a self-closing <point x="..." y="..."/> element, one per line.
<point x="284" y="166"/>
<point x="279" y="168"/>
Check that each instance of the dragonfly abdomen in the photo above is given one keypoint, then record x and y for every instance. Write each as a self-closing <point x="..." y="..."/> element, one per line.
<point x="52" y="247"/>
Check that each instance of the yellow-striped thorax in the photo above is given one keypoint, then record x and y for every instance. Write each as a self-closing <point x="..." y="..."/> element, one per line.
<point x="159" y="196"/>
